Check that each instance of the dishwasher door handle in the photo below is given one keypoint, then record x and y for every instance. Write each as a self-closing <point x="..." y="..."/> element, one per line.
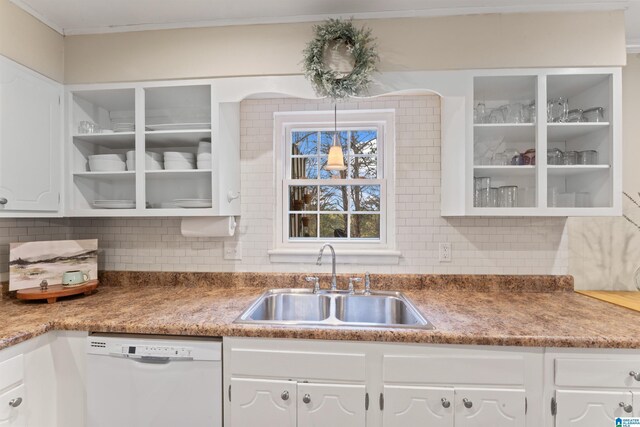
<point x="156" y="360"/>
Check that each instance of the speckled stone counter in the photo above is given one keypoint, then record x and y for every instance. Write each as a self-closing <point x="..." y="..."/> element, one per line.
<point x="538" y="311"/>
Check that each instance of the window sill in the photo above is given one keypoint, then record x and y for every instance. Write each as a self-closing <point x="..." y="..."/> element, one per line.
<point x="343" y="256"/>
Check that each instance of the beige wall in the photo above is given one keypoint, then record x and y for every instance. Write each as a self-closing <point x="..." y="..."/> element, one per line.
<point x="458" y="42"/>
<point x="605" y="252"/>
<point x="29" y="42"/>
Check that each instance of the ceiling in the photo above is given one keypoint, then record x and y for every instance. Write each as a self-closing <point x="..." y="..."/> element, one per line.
<point x="100" y="16"/>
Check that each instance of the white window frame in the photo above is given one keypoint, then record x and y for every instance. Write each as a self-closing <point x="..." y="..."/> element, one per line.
<point x="378" y="251"/>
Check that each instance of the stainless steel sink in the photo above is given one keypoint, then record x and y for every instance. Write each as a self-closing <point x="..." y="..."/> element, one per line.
<point x="278" y="307"/>
<point x="302" y="307"/>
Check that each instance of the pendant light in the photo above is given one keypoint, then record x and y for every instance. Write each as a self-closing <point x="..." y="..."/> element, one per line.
<point x="335" y="162"/>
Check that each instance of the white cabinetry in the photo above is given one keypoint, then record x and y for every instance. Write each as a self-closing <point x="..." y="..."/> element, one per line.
<point x="591" y="388"/>
<point x="150" y="119"/>
<point x="513" y="141"/>
<point x="30" y="141"/>
<point x="390" y="385"/>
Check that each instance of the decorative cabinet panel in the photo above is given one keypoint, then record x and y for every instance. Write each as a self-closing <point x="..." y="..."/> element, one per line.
<point x="287" y="403"/>
<point x="413" y="406"/>
<point x="481" y="407"/>
<point x="336" y="405"/>
<point x="263" y="402"/>
<point x="592" y="408"/>
<point x="30" y="141"/>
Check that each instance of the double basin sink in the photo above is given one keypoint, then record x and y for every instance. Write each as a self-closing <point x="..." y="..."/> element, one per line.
<point x="303" y="307"/>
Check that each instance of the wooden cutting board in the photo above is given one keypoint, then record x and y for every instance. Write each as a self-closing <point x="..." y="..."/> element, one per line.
<point x="53" y="292"/>
<point x="628" y="299"/>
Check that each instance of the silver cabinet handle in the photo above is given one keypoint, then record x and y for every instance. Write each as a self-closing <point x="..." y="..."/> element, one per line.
<point x="285" y="395"/>
<point x="306" y="398"/>
<point x="467" y="403"/>
<point x="627" y="408"/>
<point x="14" y="403"/>
<point x="635" y="375"/>
<point x="445" y="402"/>
<point x="3" y="201"/>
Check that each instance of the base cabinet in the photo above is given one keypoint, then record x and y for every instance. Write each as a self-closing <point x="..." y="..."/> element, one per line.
<point x="407" y="406"/>
<point x="592" y="408"/>
<point x="477" y="407"/>
<point x="289" y="403"/>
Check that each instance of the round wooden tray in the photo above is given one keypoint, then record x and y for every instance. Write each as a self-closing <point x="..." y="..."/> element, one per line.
<point x="53" y="292"/>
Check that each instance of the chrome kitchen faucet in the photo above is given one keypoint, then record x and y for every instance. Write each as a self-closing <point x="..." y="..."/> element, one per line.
<point x="334" y="282"/>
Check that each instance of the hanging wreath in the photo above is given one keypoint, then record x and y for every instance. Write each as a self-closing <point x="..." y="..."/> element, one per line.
<point x="340" y="60"/>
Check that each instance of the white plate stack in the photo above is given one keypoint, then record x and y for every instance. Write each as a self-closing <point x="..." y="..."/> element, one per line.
<point x="107" y="163"/>
<point x="174" y="160"/>
<point x="122" y="126"/>
<point x="152" y="161"/>
<point x="204" y="155"/>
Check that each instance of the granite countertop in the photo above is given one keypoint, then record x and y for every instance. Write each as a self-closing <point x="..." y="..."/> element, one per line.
<point x="462" y="315"/>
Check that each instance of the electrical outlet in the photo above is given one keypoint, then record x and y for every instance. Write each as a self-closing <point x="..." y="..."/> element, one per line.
<point x="233" y="251"/>
<point x="445" y="252"/>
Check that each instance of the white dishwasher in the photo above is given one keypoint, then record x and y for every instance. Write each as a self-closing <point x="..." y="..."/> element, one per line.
<point x="141" y="380"/>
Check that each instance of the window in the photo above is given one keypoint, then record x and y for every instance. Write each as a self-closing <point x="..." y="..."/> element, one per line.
<point x="349" y="208"/>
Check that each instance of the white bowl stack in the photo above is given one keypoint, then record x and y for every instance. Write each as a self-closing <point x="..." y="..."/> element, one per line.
<point x="204" y="155"/>
<point x="174" y="160"/>
<point x="107" y="163"/>
<point x="153" y="161"/>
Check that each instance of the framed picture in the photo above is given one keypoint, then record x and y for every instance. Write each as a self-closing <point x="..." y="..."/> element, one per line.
<point x="32" y="262"/>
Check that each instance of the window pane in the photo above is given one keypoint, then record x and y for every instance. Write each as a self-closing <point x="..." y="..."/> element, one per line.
<point x="303" y="225"/>
<point x="364" y="142"/>
<point x="333" y="198"/>
<point x="304" y="168"/>
<point x="365" y="226"/>
<point x="333" y="225"/>
<point x="304" y="143"/>
<point x="364" y="167"/>
<point x="325" y="174"/>
<point x="303" y="198"/>
<point x="327" y="140"/>
<point x="365" y="198"/>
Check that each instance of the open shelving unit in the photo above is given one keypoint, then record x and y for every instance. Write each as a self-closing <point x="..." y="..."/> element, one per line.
<point x="583" y="189"/>
<point x="160" y="117"/>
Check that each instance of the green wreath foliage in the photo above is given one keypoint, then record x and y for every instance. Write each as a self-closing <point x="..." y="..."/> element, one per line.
<point x="360" y="44"/>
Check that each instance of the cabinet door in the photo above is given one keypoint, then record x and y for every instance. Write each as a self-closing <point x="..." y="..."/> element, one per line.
<point x="331" y="405"/>
<point x="263" y="403"/>
<point x="477" y="407"/>
<point x="406" y="406"/>
<point x="30" y="125"/>
<point x="590" y="408"/>
<point x="13" y="414"/>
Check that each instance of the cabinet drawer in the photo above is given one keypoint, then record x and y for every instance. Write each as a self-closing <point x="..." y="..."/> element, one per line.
<point x="11" y="371"/>
<point x="308" y="365"/>
<point x="596" y="372"/>
<point x="10" y="415"/>
<point x="507" y="370"/>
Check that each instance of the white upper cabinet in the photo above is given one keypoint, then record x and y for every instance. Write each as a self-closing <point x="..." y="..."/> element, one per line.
<point x="30" y="142"/>
<point x="539" y="143"/>
<point x="164" y="149"/>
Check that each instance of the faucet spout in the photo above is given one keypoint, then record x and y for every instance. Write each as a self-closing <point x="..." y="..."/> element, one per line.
<point x="334" y="281"/>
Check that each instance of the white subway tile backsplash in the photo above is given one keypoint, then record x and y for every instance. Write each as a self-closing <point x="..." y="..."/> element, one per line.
<point x="479" y="245"/>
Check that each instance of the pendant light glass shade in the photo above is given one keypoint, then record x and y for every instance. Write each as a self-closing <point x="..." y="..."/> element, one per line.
<point x="335" y="162"/>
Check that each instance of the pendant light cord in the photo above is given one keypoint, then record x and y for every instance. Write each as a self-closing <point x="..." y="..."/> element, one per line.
<point x="335" y="124"/>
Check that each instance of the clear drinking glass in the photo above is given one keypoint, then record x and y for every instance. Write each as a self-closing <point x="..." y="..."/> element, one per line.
<point x="500" y="159"/>
<point x="554" y="156"/>
<point x="493" y="197"/>
<point x="496" y="115"/>
<point x="570" y="158"/>
<point x="481" y="191"/>
<point x="508" y="196"/>
<point x="557" y="110"/>
<point x="595" y="114"/>
<point x="529" y="112"/>
<point x="552" y="197"/>
<point x="480" y="113"/>
<point x="514" y="113"/>
<point x="588" y="157"/>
